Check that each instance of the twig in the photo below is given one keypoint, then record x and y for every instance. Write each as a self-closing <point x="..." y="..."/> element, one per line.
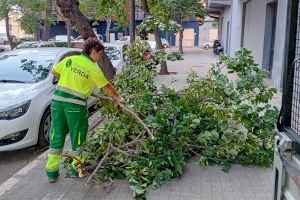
<point x="72" y="157"/>
<point x="120" y="151"/>
<point x="108" y="151"/>
<point x="136" y="140"/>
<point x="110" y="183"/>
<point x="197" y="154"/>
<point x="96" y="124"/>
<point x="126" y="110"/>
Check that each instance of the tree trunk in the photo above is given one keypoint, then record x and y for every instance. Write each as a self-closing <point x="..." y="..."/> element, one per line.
<point x="180" y="40"/>
<point x="70" y="9"/>
<point x="145" y="7"/>
<point x="108" y="24"/>
<point x="132" y="21"/>
<point x="8" y="31"/>
<point x="46" y="32"/>
<point x="163" y="64"/>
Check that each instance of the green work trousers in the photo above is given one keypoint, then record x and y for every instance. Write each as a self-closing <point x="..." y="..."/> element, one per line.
<point x="66" y="118"/>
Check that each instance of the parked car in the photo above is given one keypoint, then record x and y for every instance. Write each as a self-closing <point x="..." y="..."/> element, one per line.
<point x="26" y="87"/>
<point x="124" y="40"/>
<point x="2" y="50"/>
<point x="26" y="45"/>
<point x="208" y="45"/>
<point x="3" y="39"/>
<point x="24" y="39"/>
<point x="115" y="52"/>
<point x="79" y="38"/>
<point x="165" y="43"/>
<point x="61" y="38"/>
<point x="152" y="45"/>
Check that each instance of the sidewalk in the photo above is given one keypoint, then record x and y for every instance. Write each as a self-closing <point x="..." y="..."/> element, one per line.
<point x="197" y="182"/>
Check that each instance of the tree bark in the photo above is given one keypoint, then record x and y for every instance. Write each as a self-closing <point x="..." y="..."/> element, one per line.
<point x="108" y="24"/>
<point x="46" y="32"/>
<point x="163" y="64"/>
<point x="180" y="40"/>
<point x="145" y="7"/>
<point x="8" y="31"/>
<point x="70" y="9"/>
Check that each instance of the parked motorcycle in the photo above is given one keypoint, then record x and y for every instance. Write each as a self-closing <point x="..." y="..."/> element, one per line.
<point x="217" y="47"/>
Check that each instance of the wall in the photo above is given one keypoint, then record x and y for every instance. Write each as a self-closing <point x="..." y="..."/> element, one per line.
<point x="280" y="43"/>
<point x="255" y="33"/>
<point x="207" y="32"/>
<point x="226" y="16"/>
<point x="236" y="26"/>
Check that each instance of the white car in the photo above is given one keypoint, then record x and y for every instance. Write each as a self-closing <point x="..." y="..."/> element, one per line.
<point x="79" y="38"/>
<point x="62" y="38"/>
<point x="124" y="40"/>
<point x="38" y="44"/>
<point x="26" y="87"/>
<point x="208" y="45"/>
<point x="115" y="52"/>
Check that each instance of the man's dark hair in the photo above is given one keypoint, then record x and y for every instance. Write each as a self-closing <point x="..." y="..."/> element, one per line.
<point x="92" y="43"/>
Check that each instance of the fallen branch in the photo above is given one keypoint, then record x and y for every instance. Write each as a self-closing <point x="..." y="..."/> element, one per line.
<point x="120" y="151"/>
<point x="72" y="157"/>
<point x="108" y="151"/>
<point x="126" y="110"/>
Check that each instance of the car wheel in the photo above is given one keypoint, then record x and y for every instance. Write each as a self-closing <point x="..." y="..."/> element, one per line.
<point x="206" y="46"/>
<point x="44" y="130"/>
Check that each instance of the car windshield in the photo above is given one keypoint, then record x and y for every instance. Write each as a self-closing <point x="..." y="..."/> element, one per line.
<point x="25" y="68"/>
<point x="27" y="45"/>
<point x="113" y="53"/>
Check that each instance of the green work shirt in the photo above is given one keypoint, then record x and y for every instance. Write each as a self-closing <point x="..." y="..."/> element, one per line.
<point x="80" y="74"/>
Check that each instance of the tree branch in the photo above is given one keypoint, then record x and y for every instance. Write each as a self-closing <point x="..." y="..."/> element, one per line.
<point x="127" y="111"/>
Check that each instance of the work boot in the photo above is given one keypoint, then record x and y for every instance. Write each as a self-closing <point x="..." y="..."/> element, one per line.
<point x="52" y="180"/>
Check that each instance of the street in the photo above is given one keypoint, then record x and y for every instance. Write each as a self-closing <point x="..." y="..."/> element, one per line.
<point x="13" y="161"/>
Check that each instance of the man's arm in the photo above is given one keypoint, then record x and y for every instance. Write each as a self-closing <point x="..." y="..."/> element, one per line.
<point x="110" y="89"/>
<point x="55" y="73"/>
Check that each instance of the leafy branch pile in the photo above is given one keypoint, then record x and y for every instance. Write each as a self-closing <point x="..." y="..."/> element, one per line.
<point x="220" y="121"/>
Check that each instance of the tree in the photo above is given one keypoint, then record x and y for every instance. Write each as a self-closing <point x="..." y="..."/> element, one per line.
<point x="157" y="14"/>
<point x="106" y="9"/>
<point x="70" y="9"/>
<point x="184" y="9"/>
<point x="47" y="20"/>
<point x="7" y="6"/>
<point x="33" y="16"/>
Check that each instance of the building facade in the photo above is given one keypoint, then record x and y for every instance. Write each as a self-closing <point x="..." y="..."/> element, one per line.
<point x="259" y="25"/>
<point x="14" y="25"/>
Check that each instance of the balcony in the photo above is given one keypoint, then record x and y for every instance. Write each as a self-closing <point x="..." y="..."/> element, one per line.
<point x="215" y="6"/>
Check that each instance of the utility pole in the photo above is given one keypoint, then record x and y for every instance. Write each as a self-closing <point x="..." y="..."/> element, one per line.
<point x="69" y="32"/>
<point x="132" y="21"/>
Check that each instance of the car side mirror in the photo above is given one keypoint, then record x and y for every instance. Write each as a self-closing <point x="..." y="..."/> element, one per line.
<point x="55" y="80"/>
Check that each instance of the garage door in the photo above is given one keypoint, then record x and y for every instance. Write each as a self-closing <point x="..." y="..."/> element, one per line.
<point x="188" y="38"/>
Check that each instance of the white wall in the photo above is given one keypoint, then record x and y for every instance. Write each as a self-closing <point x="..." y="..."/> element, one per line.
<point x="226" y="15"/>
<point x="236" y="26"/>
<point x="254" y="38"/>
<point x="280" y="43"/>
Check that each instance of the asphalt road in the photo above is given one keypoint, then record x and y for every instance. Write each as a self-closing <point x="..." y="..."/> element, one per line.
<point x="12" y="161"/>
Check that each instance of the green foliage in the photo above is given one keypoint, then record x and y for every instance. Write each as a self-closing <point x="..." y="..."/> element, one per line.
<point x="105" y="8"/>
<point x="151" y="24"/>
<point x="175" y="56"/>
<point x="219" y="120"/>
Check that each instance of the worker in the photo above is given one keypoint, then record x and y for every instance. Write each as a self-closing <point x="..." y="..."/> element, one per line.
<point x="78" y="75"/>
